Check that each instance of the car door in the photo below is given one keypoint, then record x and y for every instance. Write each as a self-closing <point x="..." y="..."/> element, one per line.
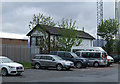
<point x="50" y="62"/>
<point x="69" y="57"/>
<point x="43" y="61"/>
<point x="62" y="55"/>
<point x="0" y="64"/>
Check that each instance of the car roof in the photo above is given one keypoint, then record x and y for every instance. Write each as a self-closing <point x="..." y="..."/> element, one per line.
<point x="90" y="51"/>
<point x="3" y="57"/>
<point x="45" y="55"/>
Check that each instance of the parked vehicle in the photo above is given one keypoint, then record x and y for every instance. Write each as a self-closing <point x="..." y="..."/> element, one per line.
<point x="7" y="66"/>
<point x="110" y="60"/>
<point x="96" y="58"/>
<point x="47" y="61"/>
<point x="116" y="58"/>
<point x="79" y="48"/>
<point x="78" y="61"/>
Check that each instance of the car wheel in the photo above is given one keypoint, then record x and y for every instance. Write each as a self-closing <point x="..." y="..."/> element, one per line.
<point x="4" y="72"/>
<point x="78" y="65"/>
<point x="37" y="66"/>
<point x="59" y="67"/>
<point x="96" y="64"/>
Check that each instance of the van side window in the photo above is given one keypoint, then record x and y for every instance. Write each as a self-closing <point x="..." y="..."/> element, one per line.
<point x="91" y="55"/>
<point x="97" y="55"/>
<point x="75" y="50"/>
<point x="61" y="54"/>
<point x="37" y="57"/>
<point x="85" y="54"/>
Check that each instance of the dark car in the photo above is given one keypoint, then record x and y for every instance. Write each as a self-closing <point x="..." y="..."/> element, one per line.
<point x="79" y="62"/>
<point x="116" y="58"/>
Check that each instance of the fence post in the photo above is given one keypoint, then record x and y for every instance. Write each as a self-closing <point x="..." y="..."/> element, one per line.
<point x="30" y="54"/>
<point x="20" y="53"/>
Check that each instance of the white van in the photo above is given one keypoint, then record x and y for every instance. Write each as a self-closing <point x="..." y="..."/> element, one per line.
<point x="95" y="58"/>
<point x="110" y="60"/>
<point x="79" y="48"/>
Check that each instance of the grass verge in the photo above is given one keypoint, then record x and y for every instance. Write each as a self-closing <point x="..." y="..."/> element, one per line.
<point x="26" y="65"/>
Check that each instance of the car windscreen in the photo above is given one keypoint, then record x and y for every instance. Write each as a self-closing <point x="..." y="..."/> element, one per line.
<point x="74" y="55"/>
<point x="6" y="60"/>
<point x="57" y="57"/>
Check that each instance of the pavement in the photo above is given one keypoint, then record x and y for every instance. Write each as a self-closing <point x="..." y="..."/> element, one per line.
<point x="89" y="74"/>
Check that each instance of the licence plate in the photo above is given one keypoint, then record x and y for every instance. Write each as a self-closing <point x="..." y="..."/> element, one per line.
<point x="19" y="70"/>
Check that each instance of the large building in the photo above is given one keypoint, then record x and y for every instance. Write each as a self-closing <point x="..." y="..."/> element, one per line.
<point x="15" y="49"/>
<point x="37" y="37"/>
<point x="13" y="41"/>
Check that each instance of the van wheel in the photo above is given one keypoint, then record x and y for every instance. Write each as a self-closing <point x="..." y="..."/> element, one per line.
<point x="37" y="66"/>
<point x="59" y="67"/>
<point x="4" y="72"/>
<point x="78" y="65"/>
<point x="108" y="65"/>
<point x="96" y="64"/>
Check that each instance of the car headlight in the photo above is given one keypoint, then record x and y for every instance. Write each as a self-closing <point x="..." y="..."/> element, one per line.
<point x="11" y="67"/>
<point x="67" y="63"/>
<point x="84" y="60"/>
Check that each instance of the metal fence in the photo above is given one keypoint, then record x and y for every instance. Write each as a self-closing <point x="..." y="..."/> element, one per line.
<point x="19" y="53"/>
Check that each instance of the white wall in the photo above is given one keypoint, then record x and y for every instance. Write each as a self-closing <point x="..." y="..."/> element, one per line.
<point x="86" y="43"/>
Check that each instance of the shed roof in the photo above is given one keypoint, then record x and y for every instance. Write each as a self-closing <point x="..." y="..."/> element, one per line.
<point x="56" y="31"/>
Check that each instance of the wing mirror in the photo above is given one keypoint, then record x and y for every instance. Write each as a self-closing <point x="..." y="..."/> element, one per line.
<point x="53" y="59"/>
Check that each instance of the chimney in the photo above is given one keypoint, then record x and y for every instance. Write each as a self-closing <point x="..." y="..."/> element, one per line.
<point x="83" y="29"/>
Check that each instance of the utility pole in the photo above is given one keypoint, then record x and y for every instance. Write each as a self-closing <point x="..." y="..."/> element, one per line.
<point x="99" y="16"/>
<point x="117" y="16"/>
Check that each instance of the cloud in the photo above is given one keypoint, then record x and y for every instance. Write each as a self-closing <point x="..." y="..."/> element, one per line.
<point x="12" y="35"/>
<point x="17" y="15"/>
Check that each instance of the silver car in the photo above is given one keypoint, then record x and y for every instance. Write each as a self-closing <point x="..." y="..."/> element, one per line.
<point x="44" y="60"/>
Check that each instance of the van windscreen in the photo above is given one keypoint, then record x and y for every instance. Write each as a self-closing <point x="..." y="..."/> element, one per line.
<point x="104" y="55"/>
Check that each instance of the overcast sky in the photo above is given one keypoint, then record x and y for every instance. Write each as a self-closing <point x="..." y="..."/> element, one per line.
<point x="17" y="15"/>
